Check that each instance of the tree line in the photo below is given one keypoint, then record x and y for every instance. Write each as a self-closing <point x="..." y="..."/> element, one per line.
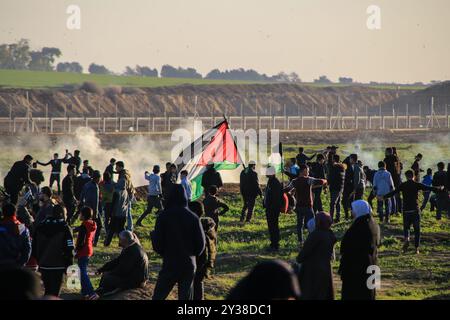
<point x="20" y="56"/>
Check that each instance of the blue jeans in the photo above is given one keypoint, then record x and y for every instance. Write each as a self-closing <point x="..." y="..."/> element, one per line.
<point x="129" y="218"/>
<point x="86" y="285"/>
<point x="303" y="216"/>
<point x="387" y="208"/>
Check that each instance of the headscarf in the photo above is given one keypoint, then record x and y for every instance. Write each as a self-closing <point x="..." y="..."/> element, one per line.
<point x="360" y="208"/>
<point x="323" y="221"/>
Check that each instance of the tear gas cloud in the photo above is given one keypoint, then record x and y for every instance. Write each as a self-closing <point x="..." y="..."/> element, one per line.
<point x="141" y="152"/>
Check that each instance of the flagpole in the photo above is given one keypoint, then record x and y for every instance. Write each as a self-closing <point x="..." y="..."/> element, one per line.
<point x="280" y="150"/>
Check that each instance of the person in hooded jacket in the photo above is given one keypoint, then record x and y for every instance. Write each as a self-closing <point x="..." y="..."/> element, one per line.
<point x="84" y="250"/>
<point x="15" y="241"/>
<point x="249" y="187"/>
<point x="316" y="275"/>
<point x="80" y="181"/>
<point x="53" y="249"/>
<point x="179" y="238"/>
<point x="273" y="199"/>
<point x="205" y="261"/>
<point x="359" y="250"/>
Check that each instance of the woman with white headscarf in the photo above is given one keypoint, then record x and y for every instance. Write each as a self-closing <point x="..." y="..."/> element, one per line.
<point x="358" y="252"/>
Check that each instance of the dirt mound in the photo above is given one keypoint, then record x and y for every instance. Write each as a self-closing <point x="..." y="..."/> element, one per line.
<point x="189" y="99"/>
<point x="420" y="101"/>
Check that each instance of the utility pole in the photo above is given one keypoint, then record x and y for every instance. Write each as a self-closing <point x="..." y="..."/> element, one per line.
<point x="46" y="117"/>
<point x="10" y="117"/>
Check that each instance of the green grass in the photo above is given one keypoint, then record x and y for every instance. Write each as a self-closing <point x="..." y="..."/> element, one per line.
<point x="404" y="276"/>
<point x="42" y="79"/>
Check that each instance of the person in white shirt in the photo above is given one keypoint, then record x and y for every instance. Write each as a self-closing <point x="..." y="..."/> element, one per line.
<point x="154" y="194"/>
<point x="186" y="184"/>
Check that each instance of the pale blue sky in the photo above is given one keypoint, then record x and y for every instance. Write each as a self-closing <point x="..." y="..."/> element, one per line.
<point x="310" y="37"/>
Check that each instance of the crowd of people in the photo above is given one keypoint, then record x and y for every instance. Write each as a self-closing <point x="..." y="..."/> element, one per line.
<point x="38" y="225"/>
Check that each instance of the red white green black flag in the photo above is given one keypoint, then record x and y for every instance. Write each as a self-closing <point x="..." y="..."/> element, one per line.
<point x="216" y="145"/>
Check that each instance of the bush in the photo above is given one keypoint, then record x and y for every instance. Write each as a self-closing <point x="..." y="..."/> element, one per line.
<point x="132" y="90"/>
<point x="113" y="90"/>
<point x="91" y="87"/>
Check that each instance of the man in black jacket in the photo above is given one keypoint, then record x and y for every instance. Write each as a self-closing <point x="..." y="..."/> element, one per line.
<point x="318" y="170"/>
<point x="110" y="168"/>
<point x="129" y="270"/>
<point x="17" y="177"/>
<point x="211" y="178"/>
<point x="273" y="199"/>
<point x="336" y="180"/>
<point x="168" y="180"/>
<point x="179" y="238"/>
<point x="440" y="180"/>
<point x="303" y="158"/>
<point x="348" y="187"/>
<point x="74" y="160"/>
<point x="55" y="174"/>
<point x="68" y="192"/>
<point x="249" y="186"/>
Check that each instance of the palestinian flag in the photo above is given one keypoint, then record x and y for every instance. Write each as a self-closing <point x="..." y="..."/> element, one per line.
<point x="215" y="145"/>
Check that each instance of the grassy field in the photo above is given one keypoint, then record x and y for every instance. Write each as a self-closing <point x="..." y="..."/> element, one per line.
<point x="404" y="276"/>
<point x="42" y="79"/>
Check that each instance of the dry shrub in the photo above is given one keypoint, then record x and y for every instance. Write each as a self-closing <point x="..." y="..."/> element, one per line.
<point x="91" y="87"/>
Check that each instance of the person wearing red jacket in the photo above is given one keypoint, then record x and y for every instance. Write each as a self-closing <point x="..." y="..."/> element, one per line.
<point x="84" y="250"/>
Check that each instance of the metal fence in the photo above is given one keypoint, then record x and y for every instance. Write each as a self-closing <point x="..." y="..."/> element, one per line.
<point x="167" y="123"/>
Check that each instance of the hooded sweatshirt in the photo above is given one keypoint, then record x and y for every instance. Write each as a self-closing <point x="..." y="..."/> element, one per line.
<point x="53" y="244"/>
<point x="15" y="242"/>
<point x="178" y="236"/>
<point x="86" y="233"/>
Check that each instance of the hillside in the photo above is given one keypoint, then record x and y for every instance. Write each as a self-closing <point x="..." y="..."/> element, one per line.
<point x="178" y="100"/>
<point x="440" y="93"/>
